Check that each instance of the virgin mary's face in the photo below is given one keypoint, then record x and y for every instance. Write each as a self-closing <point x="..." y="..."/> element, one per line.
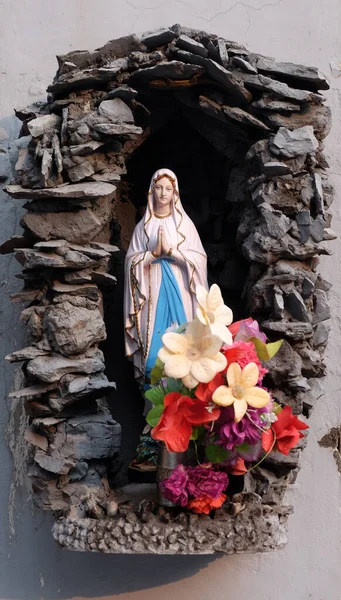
<point x="163" y="194"/>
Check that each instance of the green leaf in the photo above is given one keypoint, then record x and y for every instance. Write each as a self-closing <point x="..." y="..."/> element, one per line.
<point x="154" y="415"/>
<point x="266" y="351"/>
<point x="157" y="372"/>
<point x="155" y="395"/>
<point x="173" y="385"/>
<point x="195" y="433"/>
<point x="216" y="454"/>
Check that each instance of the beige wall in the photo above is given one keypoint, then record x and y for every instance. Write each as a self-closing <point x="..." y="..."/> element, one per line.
<point x="31" y="567"/>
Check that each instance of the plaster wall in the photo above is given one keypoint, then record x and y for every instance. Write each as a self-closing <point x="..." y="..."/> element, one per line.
<point x="32" y="567"/>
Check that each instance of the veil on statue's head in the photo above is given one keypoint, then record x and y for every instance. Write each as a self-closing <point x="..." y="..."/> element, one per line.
<point x="177" y="210"/>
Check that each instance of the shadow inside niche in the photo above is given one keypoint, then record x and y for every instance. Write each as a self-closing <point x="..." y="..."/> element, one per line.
<point x="214" y="200"/>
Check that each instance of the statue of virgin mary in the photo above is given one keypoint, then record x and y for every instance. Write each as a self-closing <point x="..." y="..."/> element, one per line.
<point x="165" y="262"/>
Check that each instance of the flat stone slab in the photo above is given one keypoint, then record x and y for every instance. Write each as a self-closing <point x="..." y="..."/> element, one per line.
<point x="88" y="77"/>
<point x="266" y="84"/>
<point x="173" y="69"/>
<point x="158" y="37"/>
<point x="243" y="525"/>
<point x="51" y="368"/>
<point x="186" y="43"/>
<point x="309" y="75"/>
<point x="85" y="191"/>
<point x="117" y="129"/>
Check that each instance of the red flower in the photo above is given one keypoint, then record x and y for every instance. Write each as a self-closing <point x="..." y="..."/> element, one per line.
<point x="180" y="413"/>
<point x="285" y="431"/>
<point x="239" y="467"/>
<point x="204" y="504"/>
<point x="204" y="391"/>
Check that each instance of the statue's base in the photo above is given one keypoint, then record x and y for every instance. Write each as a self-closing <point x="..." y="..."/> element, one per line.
<point x="141" y="527"/>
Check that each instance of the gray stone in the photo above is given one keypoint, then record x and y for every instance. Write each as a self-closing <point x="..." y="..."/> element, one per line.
<point x="31" y="259"/>
<point x="309" y="75"/>
<point x="80" y="172"/>
<point x="228" y="80"/>
<point x="293" y="330"/>
<point x="270" y="103"/>
<point x="321" y="333"/>
<point x="157" y="37"/>
<point x="174" y="70"/>
<point x="117" y="129"/>
<point x="318" y="193"/>
<point x="83" y="290"/>
<point x="286" y="363"/>
<point x="72" y="330"/>
<point x="317" y="229"/>
<point x="213" y="52"/>
<point x="86" y="148"/>
<point x="96" y="253"/>
<point x="33" y="392"/>
<point x="317" y="115"/>
<point x="186" y="43"/>
<point x="5" y="165"/>
<point x="116" y="110"/>
<point x="44" y="124"/>
<point x="294" y="304"/>
<point x="58" y="246"/>
<point x="278" y="301"/>
<point x="321" y="306"/>
<point x="51" y="369"/>
<point x="85" y="191"/>
<point x="106" y="247"/>
<point x="243" y="117"/>
<point x="76" y="277"/>
<point x="223" y="53"/>
<point x="308" y="287"/>
<point x="275" y="168"/>
<point x="294" y="143"/>
<point x="303" y="221"/>
<point x="87" y="78"/>
<point x="25" y="354"/>
<point x="243" y="64"/>
<point x="282" y="90"/>
<point x="299" y="384"/>
<point x="79" y="227"/>
<point x="124" y="92"/>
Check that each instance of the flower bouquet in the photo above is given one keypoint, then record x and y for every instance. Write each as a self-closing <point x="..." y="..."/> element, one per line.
<point x="206" y="389"/>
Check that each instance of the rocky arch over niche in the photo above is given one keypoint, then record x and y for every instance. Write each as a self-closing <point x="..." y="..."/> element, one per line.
<point x="75" y="152"/>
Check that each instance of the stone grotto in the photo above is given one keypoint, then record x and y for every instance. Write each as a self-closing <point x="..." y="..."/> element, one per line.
<point x="245" y="135"/>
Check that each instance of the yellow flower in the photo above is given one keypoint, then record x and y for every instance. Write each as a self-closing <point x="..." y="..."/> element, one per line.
<point x="193" y="356"/>
<point x="241" y="390"/>
<point x="213" y="312"/>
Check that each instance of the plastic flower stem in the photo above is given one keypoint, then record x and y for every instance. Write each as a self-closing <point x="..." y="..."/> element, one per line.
<point x="196" y="452"/>
<point x="265" y="455"/>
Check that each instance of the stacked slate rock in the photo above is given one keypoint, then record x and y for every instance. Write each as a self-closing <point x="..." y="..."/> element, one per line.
<point x="73" y="153"/>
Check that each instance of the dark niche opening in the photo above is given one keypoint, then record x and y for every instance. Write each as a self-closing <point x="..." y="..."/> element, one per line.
<point x="212" y="182"/>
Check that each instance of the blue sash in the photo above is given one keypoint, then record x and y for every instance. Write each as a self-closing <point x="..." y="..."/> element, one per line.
<point x="169" y="310"/>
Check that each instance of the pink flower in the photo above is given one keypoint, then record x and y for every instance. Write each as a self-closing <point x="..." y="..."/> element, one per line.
<point x="204" y="481"/>
<point x="175" y="486"/>
<point x="249" y="329"/>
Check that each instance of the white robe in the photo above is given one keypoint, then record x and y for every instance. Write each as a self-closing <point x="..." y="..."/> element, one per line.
<point x="143" y="275"/>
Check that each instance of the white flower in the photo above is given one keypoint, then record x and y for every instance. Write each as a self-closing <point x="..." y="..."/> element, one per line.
<point x="193" y="356"/>
<point x="213" y="312"/>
